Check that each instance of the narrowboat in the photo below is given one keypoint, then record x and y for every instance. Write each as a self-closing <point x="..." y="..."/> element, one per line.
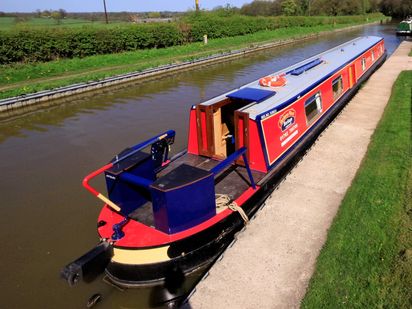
<point x="405" y="27"/>
<point x="164" y="218"/>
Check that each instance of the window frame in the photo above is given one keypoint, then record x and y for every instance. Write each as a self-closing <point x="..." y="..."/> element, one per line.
<point x="338" y="80"/>
<point x="313" y="99"/>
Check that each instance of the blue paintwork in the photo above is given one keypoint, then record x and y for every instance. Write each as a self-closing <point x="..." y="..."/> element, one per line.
<point x="141" y="146"/>
<point x="133" y="171"/>
<point x="117" y="229"/>
<point x="252" y="94"/>
<point x="305" y="67"/>
<point x="129" y="189"/>
<point x="223" y="164"/>
<point x="183" y="199"/>
<point x="136" y="180"/>
<point x="249" y="172"/>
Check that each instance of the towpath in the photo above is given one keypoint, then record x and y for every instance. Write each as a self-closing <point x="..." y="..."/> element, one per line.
<point x="273" y="259"/>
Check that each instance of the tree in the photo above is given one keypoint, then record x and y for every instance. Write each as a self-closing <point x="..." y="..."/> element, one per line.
<point x="63" y="13"/>
<point x="289" y="7"/>
<point x="396" y="8"/>
<point x="46" y="13"/>
<point x="261" y="8"/>
<point x="225" y="11"/>
<point x="336" y="7"/>
<point x="374" y="5"/>
<point x="57" y="16"/>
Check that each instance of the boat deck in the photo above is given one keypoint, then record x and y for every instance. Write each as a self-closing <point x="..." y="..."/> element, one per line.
<point x="232" y="182"/>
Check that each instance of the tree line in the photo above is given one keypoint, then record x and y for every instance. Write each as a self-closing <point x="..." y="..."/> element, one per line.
<point x="395" y="8"/>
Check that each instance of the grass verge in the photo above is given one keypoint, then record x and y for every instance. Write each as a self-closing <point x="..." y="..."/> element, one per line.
<point x="22" y="79"/>
<point x="367" y="259"/>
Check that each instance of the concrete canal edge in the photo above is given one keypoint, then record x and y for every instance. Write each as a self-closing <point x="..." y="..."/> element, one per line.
<point x="11" y="104"/>
<point x="273" y="259"/>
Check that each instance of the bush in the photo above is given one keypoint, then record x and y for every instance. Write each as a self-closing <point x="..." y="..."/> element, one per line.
<point x="33" y="45"/>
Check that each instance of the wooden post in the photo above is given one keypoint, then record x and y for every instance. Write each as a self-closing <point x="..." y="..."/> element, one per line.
<point x="105" y="11"/>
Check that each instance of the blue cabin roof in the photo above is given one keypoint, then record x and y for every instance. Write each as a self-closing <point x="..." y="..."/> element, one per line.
<point x="299" y="77"/>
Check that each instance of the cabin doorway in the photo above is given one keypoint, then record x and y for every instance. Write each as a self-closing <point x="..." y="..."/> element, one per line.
<point x="222" y="128"/>
<point x="352" y="75"/>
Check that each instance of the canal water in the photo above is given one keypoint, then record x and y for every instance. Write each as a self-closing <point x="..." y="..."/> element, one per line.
<point x="47" y="219"/>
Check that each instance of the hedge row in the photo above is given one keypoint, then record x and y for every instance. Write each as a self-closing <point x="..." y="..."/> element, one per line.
<point x="33" y="45"/>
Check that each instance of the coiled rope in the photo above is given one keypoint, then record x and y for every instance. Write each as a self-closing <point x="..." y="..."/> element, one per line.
<point x="223" y="200"/>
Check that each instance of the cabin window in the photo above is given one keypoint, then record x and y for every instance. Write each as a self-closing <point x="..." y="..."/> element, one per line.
<point x="373" y="55"/>
<point x="337" y="87"/>
<point x="363" y="64"/>
<point x="313" y="107"/>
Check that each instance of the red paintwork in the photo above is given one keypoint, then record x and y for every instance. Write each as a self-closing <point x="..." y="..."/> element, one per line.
<point x="192" y="144"/>
<point x="276" y="141"/>
<point x="256" y="158"/>
<point x="94" y="174"/>
<point x="240" y="129"/>
<point x="138" y="235"/>
<point x="204" y="132"/>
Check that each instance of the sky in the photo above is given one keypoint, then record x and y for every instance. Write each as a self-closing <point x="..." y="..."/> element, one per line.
<point x="112" y="5"/>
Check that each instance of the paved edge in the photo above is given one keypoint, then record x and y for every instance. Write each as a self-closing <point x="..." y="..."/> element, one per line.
<point x="273" y="259"/>
<point x="15" y="103"/>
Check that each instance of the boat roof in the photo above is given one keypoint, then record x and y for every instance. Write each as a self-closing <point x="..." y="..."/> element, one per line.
<point x="300" y="77"/>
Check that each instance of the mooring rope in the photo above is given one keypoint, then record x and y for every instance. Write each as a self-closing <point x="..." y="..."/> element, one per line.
<point x="223" y="200"/>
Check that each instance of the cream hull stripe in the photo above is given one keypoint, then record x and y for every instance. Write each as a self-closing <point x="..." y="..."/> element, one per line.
<point x="144" y="256"/>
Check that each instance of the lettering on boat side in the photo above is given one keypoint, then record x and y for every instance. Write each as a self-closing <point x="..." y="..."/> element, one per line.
<point x="287" y="119"/>
<point x="288" y="135"/>
<point x="110" y="176"/>
<point x="269" y="114"/>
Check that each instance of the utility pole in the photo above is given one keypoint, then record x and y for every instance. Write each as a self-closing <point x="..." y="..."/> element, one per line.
<point x="197" y="5"/>
<point x="105" y="11"/>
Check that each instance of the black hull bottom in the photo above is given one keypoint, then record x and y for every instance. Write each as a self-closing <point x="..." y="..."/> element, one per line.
<point x="200" y="251"/>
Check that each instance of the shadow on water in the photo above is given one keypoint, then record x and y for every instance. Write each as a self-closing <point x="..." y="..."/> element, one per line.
<point x="48" y="220"/>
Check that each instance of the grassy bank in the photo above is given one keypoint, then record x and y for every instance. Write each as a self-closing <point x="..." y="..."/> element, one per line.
<point x="367" y="259"/>
<point x="21" y="79"/>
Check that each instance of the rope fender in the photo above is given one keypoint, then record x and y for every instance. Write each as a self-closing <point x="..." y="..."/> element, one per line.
<point x="223" y="200"/>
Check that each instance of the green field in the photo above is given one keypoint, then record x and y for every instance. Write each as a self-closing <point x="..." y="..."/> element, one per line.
<point x="9" y="23"/>
<point x="367" y="259"/>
